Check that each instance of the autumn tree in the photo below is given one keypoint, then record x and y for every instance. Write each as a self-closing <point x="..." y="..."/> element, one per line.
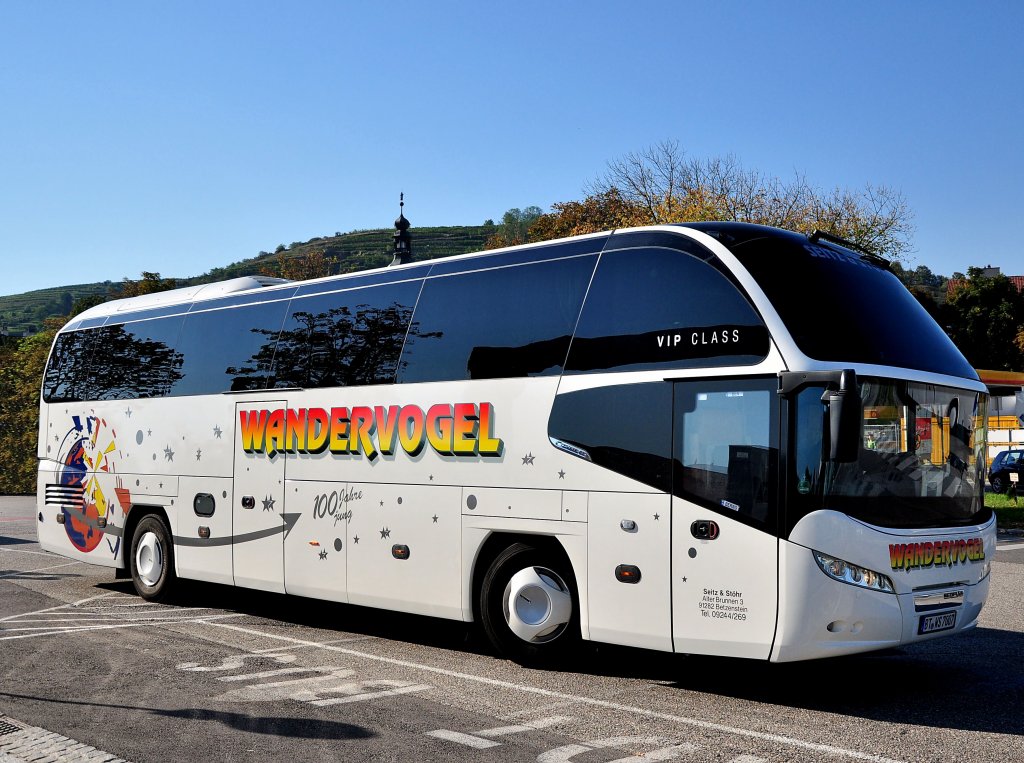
<point x="600" y="211"/>
<point x="299" y="267"/>
<point x="662" y="185"/>
<point x="985" y="318"/>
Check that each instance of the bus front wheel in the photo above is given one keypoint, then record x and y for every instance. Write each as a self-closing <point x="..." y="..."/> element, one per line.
<point x="152" y="559"/>
<point x="528" y="605"/>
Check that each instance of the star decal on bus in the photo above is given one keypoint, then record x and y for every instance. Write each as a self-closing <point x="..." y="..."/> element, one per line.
<point x="528" y="459"/>
<point x="268" y="503"/>
<point x="385" y="533"/>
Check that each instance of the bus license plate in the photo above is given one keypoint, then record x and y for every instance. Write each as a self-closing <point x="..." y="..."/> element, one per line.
<point x="932" y="623"/>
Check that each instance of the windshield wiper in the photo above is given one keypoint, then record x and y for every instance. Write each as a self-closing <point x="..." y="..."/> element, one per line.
<point x="865" y="254"/>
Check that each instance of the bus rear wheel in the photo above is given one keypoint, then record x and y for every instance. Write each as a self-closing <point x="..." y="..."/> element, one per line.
<point x="528" y="606"/>
<point x="152" y="559"/>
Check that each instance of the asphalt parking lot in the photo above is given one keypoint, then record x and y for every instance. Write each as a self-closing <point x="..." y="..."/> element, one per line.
<point x="89" y="668"/>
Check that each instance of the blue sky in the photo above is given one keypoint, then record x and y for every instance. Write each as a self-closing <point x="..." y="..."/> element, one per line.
<point x="180" y="136"/>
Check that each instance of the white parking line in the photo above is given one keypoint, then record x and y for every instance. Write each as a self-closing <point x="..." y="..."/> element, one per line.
<point x="670" y="751"/>
<point x="266" y="674"/>
<point x="464" y="739"/>
<point x="362" y="696"/>
<point x="542" y="709"/>
<point x="86" y="617"/>
<point x="1009" y="546"/>
<point x="641" y="711"/>
<point x="540" y="723"/>
<point x="59" y="606"/>
<point x="80" y="629"/>
<point x="41" y="569"/>
<point x="25" y="551"/>
<point x="481" y="740"/>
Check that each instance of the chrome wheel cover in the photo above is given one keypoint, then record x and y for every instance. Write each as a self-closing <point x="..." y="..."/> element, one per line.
<point x="537" y="605"/>
<point x="149" y="559"/>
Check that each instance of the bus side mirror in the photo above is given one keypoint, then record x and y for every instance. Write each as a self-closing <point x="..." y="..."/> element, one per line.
<point x="844" y="416"/>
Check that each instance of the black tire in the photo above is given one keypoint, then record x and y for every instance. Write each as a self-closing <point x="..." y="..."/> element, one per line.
<point x="997" y="485"/>
<point x="152" y="559"/>
<point x="553" y="590"/>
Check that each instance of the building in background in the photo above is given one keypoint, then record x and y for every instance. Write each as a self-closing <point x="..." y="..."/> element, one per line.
<point x="1005" y="410"/>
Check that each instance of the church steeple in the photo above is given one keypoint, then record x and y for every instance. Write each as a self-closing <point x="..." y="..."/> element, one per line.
<point x="402" y="247"/>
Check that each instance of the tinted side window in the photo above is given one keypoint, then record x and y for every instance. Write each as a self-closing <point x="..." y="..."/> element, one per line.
<point x="725" y="448"/>
<point x="638" y="444"/>
<point x="134" y="360"/>
<point x="658" y="308"/>
<point x="67" y="372"/>
<point x="124" y="361"/>
<point x="346" y="338"/>
<point x="228" y="350"/>
<point x="510" y="321"/>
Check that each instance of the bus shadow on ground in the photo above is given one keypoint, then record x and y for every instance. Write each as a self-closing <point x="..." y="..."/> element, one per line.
<point x="286" y="727"/>
<point x="971" y="682"/>
<point x="340" y="621"/>
<point x="30" y="575"/>
<point x="8" y="540"/>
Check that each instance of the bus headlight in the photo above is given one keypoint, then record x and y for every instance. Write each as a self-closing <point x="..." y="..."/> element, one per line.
<point x="844" y="572"/>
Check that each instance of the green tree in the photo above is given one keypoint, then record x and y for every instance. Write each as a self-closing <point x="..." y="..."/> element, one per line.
<point x="22" y="364"/>
<point x="82" y="304"/>
<point x="923" y="276"/>
<point x="514" y="227"/>
<point x="150" y="283"/>
<point x="21" y="374"/>
<point x="985" y="318"/>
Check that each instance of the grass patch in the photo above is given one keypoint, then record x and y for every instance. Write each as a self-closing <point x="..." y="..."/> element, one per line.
<point x="1008" y="512"/>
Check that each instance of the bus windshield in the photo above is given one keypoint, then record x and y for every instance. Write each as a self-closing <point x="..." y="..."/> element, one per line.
<point x="842" y="306"/>
<point x="920" y="461"/>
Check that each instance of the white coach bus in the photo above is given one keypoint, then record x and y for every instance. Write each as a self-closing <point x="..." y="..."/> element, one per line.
<point x="709" y="438"/>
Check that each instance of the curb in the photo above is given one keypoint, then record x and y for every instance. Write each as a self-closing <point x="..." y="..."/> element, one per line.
<point x="20" y="742"/>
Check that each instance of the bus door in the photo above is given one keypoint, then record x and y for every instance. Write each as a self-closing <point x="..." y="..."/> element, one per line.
<point x="258" y="506"/>
<point x="724" y="505"/>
